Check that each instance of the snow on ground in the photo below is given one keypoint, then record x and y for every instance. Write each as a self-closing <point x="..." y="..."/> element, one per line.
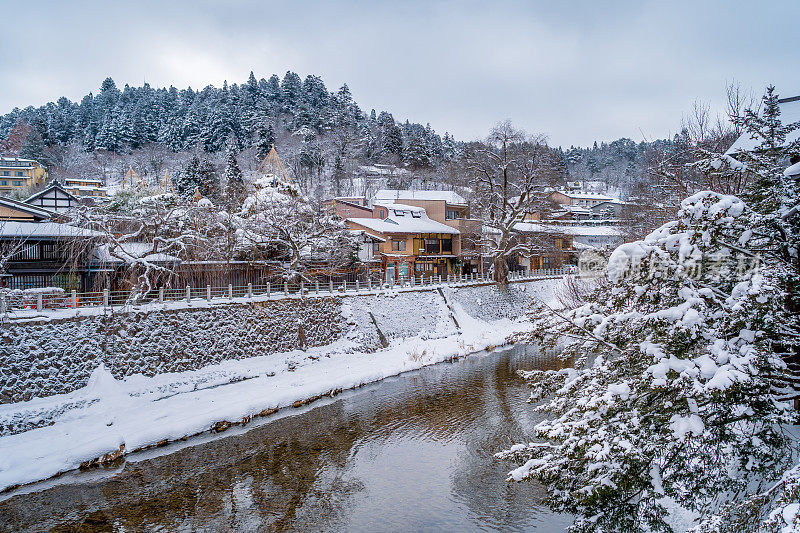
<point x="139" y="411"/>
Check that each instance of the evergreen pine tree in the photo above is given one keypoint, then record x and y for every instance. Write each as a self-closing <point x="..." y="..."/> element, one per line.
<point x="680" y="389"/>
<point x="198" y="176"/>
<point x="234" y="181"/>
<point x="33" y="148"/>
<point x="416" y="153"/>
<point x="771" y="153"/>
<point x="338" y="175"/>
<point x="390" y="134"/>
<point x="266" y="140"/>
<point x="291" y="93"/>
<point x="207" y="179"/>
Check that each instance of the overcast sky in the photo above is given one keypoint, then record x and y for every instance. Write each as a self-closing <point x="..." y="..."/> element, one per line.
<point x="575" y="71"/>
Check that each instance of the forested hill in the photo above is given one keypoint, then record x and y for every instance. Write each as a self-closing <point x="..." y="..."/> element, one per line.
<point x="323" y="136"/>
<point x="255" y="111"/>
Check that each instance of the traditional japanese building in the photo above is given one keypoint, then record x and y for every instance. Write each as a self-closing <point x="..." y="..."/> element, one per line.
<point x="448" y="208"/>
<point x="22" y="212"/>
<point x="553" y="244"/>
<point x="46" y="254"/>
<point x="580" y="198"/>
<point x="83" y="187"/>
<point x="408" y="242"/>
<point x="54" y="198"/>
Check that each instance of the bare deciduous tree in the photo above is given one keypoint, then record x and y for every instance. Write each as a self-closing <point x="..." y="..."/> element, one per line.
<point x="511" y="172"/>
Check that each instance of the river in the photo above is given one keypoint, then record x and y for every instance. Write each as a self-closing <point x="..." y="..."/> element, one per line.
<point x="411" y="453"/>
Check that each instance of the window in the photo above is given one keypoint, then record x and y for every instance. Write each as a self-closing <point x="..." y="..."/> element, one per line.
<point x="423" y="267"/>
<point x="376" y="248"/>
<point x="27" y="252"/>
<point x="450" y="214"/>
<point x="447" y="246"/>
<point x="399" y="246"/>
<point x="432" y="246"/>
<point x="18" y="173"/>
<point x="4" y="182"/>
<point x="399" y="213"/>
<point x="416" y="214"/>
<point x="51" y="251"/>
<point x="17" y="183"/>
<point x="5" y="172"/>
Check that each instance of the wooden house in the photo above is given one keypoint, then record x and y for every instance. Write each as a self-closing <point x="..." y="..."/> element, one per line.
<point x="54" y="198"/>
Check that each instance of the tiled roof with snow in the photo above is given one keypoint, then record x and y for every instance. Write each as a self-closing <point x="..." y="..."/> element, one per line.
<point x="615" y="201"/>
<point x="27" y="208"/>
<point x="576" y="209"/>
<point x="55" y="185"/>
<point x="362" y="233"/>
<point x="790" y="113"/>
<point x="84" y="188"/>
<point x="82" y="180"/>
<point x="411" y="225"/>
<point x="43" y="230"/>
<point x="582" y="195"/>
<point x="450" y="197"/>
<point x="404" y="219"/>
<point x="574" y="230"/>
<point x="400" y="207"/>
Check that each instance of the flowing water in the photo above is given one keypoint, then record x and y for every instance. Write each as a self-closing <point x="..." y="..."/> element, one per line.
<point x="412" y="453"/>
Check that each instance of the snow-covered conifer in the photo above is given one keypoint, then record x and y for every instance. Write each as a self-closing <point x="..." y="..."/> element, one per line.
<point x="681" y="391"/>
<point x="234" y="180"/>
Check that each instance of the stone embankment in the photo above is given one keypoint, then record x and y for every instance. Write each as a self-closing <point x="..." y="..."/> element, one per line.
<point x="46" y="355"/>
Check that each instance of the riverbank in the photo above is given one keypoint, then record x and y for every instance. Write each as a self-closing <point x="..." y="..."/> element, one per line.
<point x="109" y="418"/>
<point x="411" y="452"/>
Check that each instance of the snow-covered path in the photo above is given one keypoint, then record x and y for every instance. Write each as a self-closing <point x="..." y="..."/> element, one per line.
<point x="108" y="415"/>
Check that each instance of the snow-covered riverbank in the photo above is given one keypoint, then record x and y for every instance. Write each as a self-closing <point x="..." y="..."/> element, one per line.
<point x="112" y="417"/>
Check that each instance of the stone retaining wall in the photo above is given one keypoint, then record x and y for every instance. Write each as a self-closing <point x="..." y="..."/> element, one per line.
<point x="54" y="356"/>
<point x="40" y="358"/>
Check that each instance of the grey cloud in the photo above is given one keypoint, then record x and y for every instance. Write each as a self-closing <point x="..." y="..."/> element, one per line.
<point x="577" y="71"/>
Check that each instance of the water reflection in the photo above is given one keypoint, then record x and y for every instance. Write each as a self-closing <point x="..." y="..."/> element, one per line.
<point x="412" y="454"/>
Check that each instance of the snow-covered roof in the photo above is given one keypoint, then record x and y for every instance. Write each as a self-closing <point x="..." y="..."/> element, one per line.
<point x="583" y="195"/>
<point x="404" y="219"/>
<point x="4" y="161"/>
<point x="790" y="113"/>
<point x="82" y="180"/>
<point x="386" y="170"/>
<point x="450" y="197"/>
<point x="11" y="229"/>
<point x="605" y="205"/>
<point x="361" y="232"/>
<point x="129" y="252"/>
<point x="616" y="201"/>
<point x="37" y="212"/>
<point x="392" y="206"/>
<point x="574" y="230"/>
<point x="576" y="209"/>
<point x="55" y="185"/>
<point x="412" y="225"/>
<point x="85" y="188"/>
